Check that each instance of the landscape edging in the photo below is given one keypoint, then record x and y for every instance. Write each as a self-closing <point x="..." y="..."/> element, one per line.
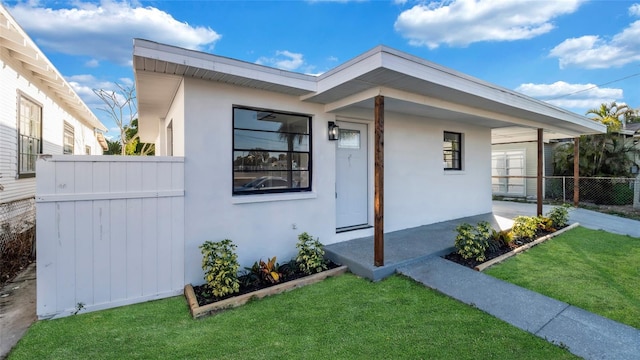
<point x="198" y="311"/>
<point x="522" y="248"/>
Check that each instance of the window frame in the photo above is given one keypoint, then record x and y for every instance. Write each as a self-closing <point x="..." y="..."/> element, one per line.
<point x="453" y="152"/>
<point x="19" y="144"/>
<point x="87" y="150"/>
<point x="68" y="129"/>
<point x="289" y="169"/>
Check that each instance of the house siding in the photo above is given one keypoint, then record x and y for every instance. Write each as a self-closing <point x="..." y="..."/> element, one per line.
<point x="417" y="189"/>
<point x="531" y="162"/>
<point x="14" y="81"/>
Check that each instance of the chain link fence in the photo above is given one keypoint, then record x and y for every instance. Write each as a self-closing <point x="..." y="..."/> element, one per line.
<point x="17" y="236"/>
<point x="610" y="191"/>
<point x="593" y="190"/>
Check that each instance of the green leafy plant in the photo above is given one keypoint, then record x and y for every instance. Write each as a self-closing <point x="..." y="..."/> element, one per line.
<point x="559" y="215"/>
<point x="220" y="265"/>
<point x="288" y="269"/>
<point x="269" y="271"/>
<point x="525" y="227"/>
<point x="310" y="257"/>
<point x="500" y="239"/>
<point x="472" y="242"/>
<point x="545" y="224"/>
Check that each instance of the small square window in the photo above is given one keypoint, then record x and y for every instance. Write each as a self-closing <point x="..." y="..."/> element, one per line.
<point x="452" y="151"/>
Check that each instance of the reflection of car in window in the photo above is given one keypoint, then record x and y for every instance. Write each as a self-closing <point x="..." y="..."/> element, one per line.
<point x="263" y="183"/>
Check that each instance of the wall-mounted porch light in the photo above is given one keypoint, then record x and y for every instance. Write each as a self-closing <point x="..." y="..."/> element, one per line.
<point x="334" y="131"/>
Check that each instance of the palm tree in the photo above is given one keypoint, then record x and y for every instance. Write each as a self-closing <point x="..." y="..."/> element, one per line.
<point x="611" y="115"/>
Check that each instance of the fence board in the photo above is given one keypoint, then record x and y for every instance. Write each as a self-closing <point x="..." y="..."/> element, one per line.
<point x="65" y="250"/>
<point x="150" y="247"/>
<point x="134" y="249"/>
<point x="46" y="254"/>
<point x="118" y="249"/>
<point x="101" y="253"/>
<point x="110" y="231"/>
<point x="84" y="245"/>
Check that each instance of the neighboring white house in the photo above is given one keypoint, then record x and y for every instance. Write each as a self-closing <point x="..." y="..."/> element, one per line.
<point x="236" y="122"/>
<point x="514" y="168"/>
<point x="39" y="113"/>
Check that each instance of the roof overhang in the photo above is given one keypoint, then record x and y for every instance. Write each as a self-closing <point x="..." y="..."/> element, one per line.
<point x="411" y="85"/>
<point x="17" y="49"/>
<point x="159" y="68"/>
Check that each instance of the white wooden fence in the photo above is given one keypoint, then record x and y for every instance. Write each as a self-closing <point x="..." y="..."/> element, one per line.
<point x="110" y="231"/>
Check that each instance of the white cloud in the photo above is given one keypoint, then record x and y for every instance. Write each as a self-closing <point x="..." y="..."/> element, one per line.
<point x="462" y="22"/>
<point x="595" y="52"/>
<point x="92" y="63"/>
<point x="285" y="60"/>
<point x="577" y="97"/>
<point x="105" y="31"/>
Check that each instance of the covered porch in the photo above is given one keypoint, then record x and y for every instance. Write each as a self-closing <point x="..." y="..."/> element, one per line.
<point x="408" y="246"/>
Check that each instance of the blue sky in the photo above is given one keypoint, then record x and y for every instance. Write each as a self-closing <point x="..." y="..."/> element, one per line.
<point x="545" y="49"/>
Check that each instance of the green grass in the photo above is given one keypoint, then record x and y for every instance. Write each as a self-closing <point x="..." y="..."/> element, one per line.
<point x="344" y="317"/>
<point x="594" y="270"/>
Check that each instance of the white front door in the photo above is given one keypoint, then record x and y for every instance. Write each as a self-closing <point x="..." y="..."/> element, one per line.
<point x="352" y="176"/>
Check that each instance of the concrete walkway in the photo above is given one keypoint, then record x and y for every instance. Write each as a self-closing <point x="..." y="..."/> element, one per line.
<point x="17" y="308"/>
<point x="585" y="334"/>
<point x="416" y="253"/>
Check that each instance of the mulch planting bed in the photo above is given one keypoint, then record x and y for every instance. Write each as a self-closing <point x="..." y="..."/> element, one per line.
<point x="494" y="253"/>
<point x="204" y="295"/>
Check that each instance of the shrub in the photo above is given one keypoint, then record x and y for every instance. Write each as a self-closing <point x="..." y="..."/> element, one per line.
<point x="559" y="216"/>
<point x="472" y="242"/>
<point x="545" y="224"/>
<point x="220" y="265"/>
<point x="500" y="238"/>
<point x="269" y="271"/>
<point x="524" y="227"/>
<point x="310" y="257"/>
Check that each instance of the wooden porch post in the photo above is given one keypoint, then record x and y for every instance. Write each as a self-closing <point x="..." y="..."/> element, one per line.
<point x="378" y="197"/>
<point x="540" y="167"/>
<point x="576" y="171"/>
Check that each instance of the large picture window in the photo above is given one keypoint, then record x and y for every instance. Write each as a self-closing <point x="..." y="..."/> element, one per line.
<point x="29" y="136"/>
<point x="452" y="151"/>
<point x="271" y="152"/>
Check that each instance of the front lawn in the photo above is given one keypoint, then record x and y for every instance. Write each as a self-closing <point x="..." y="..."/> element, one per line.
<point x="594" y="270"/>
<point x="340" y="318"/>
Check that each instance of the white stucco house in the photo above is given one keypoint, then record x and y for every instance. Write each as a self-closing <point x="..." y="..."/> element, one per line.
<point x="260" y="166"/>
<point x="39" y="113"/>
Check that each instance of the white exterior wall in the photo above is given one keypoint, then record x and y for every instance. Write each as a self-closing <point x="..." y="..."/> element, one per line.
<point x="110" y="231"/>
<point x="417" y="189"/>
<point x="53" y="117"/>
<point x="261" y="228"/>
<point x="175" y="116"/>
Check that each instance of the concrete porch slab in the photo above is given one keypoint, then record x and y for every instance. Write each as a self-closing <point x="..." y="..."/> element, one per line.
<point x="404" y="247"/>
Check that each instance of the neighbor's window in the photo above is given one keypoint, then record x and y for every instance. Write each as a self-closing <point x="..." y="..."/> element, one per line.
<point x="87" y="149"/>
<point x="271" y="152"/>
<point x="452" y="151"/>
<point x="29" y="136"/>
<point x="68" y="140"/>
